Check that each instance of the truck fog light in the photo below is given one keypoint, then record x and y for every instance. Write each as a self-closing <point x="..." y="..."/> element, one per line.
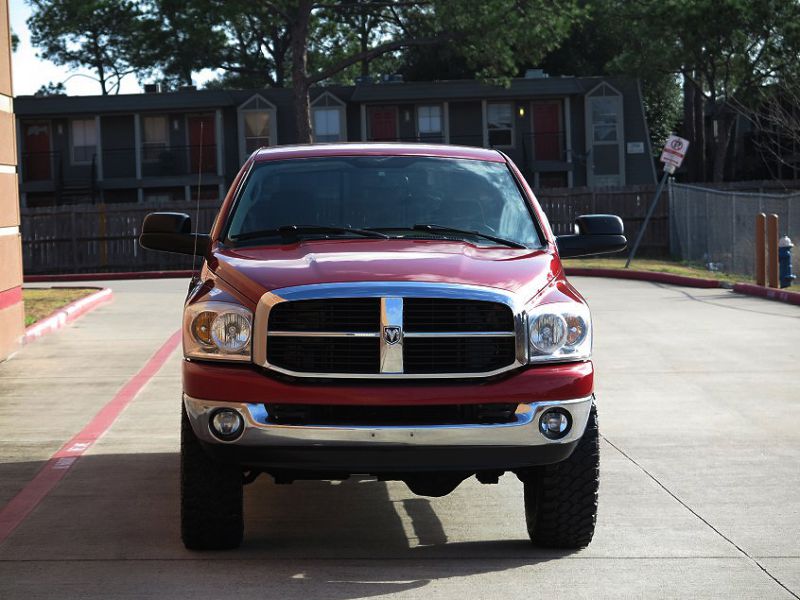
<point x="226" y="424"/>
<point x="555" y="424"/>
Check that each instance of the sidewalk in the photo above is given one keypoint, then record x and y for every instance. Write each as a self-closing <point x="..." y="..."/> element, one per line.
<point x="697" y="393"/>
<point x="53" y="387"/>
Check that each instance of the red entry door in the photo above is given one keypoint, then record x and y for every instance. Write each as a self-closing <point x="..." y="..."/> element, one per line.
<point x="383" y="124"/>
<point x="37" y="151"/>
<point x="202" y="143"/>
<point x="547" y="131"/>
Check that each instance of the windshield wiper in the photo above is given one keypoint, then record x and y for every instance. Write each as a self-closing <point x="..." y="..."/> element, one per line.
<point x="443" y="229"/>
<point x="295" y="230"/>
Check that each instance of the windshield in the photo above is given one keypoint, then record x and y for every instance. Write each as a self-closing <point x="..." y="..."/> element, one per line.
<point x="392" y="194"/>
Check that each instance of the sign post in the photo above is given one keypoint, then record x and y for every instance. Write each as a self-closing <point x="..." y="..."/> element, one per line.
<point x="672" y="156"/>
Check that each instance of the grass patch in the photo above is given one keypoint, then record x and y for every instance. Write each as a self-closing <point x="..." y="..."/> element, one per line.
<point x="657" y="266"/>
<point x="40" y="302"/>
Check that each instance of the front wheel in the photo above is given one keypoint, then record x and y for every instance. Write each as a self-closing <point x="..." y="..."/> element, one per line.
<point x="561" y="499"/>
<point x="211" y="497"/>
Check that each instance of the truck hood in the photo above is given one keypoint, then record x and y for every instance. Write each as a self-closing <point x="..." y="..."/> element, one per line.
<point x="254" y="271"/>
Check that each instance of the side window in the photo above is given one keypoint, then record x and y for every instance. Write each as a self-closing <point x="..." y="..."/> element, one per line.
<point x="257" y="125"/>
<point x="604" y="119"/>
<point x="84" y="140"/>
<point x="327" y="125"/>
<point x="256" y="129"/>
<point x="500" y="123"/>
<point x="155" y="137"/>
<point x="429" y="120"/>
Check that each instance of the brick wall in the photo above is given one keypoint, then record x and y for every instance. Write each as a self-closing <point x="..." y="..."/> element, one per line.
<point x="11" y="310"/>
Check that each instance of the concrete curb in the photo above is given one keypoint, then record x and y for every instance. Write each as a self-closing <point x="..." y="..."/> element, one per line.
<point x="108" y="276"/>
<point x="682" y="280"/>
<point x="750" y="289"/>
<point x="66" y="315"/>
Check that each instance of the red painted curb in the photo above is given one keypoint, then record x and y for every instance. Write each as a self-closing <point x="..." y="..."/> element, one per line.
<point x="696" y="282"/>
<point x="107" y="276"/>
<point x="10" y="297"/>
<point x="750" y="289"/>
<point x="67" y="314"/>
<point x="21" y="505"/>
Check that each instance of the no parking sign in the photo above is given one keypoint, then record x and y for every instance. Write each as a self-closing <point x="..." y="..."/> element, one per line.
<point x="674" y="150"/>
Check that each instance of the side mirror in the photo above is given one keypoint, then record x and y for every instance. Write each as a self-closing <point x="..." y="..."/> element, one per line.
<point x="172" y="232"/>
<point x="597" y="234"/>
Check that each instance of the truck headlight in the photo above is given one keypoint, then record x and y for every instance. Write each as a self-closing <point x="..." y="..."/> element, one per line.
<point x="217" y="331"/>
<point x="560" y="331"/>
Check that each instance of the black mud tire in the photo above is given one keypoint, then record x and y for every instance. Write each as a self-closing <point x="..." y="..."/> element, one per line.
<point x="561" y="499"/>
<point x="211" y="497"/>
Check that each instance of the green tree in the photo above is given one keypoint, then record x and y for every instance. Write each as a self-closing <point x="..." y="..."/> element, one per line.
<point x="492" y="36"/>
<point x="51" y="89"/>
<point x="177" y="37"/>
<point x="725" y="51"/>
<point x="87" y="33"/>
<point x="594" y="48"/>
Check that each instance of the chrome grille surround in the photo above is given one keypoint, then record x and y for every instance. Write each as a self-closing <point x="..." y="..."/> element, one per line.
<point x="391" y="294"/>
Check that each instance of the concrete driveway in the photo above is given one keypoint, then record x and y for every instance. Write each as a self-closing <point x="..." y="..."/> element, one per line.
<point x="699" y="399"/>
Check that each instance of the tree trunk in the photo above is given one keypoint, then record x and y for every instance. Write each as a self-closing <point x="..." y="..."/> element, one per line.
<point x="721" y="141"/>
<point x="688" y="130"/>
<point x="364" y="38"/>
<point x="699" y="149"/>
<point x="694" y="128"/>
<point x="300" y="83"/>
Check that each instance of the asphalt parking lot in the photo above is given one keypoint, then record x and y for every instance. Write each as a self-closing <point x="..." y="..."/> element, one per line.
<point x="699" y="403"/>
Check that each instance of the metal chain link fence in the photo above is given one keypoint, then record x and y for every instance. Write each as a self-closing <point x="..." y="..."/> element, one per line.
<point x="717" y="228"/>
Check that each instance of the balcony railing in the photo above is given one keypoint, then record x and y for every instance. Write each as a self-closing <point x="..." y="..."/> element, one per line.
<point x="166" y="161"/>
<point x="160" y="161"/>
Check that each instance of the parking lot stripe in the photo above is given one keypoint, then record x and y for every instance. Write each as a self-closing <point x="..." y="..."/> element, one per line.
<point x="21" y="505"/>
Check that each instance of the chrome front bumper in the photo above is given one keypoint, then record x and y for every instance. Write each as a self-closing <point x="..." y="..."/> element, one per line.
<point x="522" y="432"/>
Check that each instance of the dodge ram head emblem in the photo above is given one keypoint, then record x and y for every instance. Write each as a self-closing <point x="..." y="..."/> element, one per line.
<point x="391" y="335"/>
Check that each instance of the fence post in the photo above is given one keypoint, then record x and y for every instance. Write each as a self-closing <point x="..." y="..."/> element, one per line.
<point x="686" y="206"/>
<point x="103" y="237"/>
<point x="733" y="234"/>
<point x="761" y="258"/>
<point x="74" y="240"/>
<point x="772" y="251"/>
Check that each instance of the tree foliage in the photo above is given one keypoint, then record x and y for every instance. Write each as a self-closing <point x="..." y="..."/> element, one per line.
<point x="725" y="50"/>
<point x="718" y="56"/>
<point x="178" y="37"/>
<point x="96" y="34"/>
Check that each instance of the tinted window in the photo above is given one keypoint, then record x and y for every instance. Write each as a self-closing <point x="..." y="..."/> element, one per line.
<point x="384" y="192"/>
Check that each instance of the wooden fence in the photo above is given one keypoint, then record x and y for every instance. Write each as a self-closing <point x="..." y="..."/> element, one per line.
<point x="104" y="238"/>
<point x="562" y="205"/>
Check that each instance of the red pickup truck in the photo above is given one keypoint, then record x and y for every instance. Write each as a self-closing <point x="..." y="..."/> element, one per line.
<point x="395" y="310"/>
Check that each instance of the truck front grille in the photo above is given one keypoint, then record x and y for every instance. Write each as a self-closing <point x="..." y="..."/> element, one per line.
<point x="325" y="355"/>
<point x="454" y="414"/>
<point x="391" y="337"/>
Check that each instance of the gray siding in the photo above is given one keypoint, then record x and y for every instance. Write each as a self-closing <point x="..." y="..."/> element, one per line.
<point x="465" y="118"/>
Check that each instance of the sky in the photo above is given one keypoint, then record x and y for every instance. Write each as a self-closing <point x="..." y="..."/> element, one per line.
<point x="30" y="72"/>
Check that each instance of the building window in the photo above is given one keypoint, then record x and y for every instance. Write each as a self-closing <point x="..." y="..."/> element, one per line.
<point x="256" y="130"/>
<point x="327" y="124"/>
<point x="500" y="123"/>
<point x="328" y="118"/>
<point x="257" y="126"/>
<point x="84" y="140"/>
<point x="155" y="137"/>
<point x="605" y="137"/>
<point x="604" y="119"/>
<point x="429" y="120"/>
